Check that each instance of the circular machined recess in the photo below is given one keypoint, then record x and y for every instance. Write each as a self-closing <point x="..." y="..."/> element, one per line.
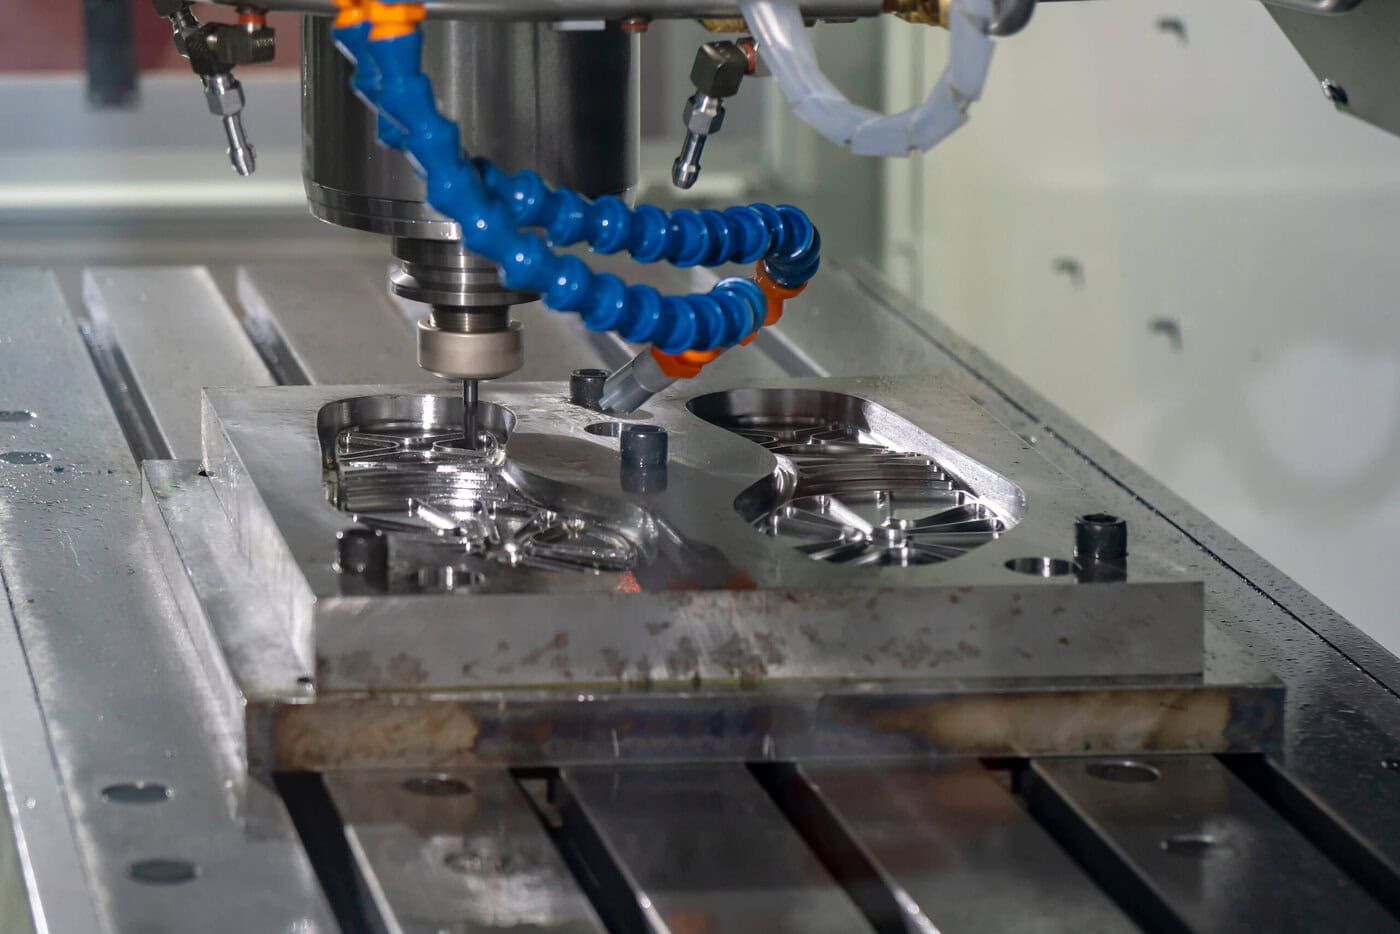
<point x="1193" y="845"/>
<point x="437" y="786"/>
<point x="1123" y="771"/>
<point x="163" y="871"/>
<point x="1041" y="567"/>
<point x="137" y="793"/>
<point x="605" y="429"/>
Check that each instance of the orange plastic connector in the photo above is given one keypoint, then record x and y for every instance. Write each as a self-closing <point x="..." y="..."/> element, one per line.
<point x="250" y="16"/>
<point x="351" y="13"/>
<point x="392" y="20"/>
<point x="688" y="364"/>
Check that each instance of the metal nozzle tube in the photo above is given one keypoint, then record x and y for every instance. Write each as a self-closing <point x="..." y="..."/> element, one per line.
<point x="636" y="381"/>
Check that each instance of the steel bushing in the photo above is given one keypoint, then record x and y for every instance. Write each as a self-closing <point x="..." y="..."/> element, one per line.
<point x="470" y="354"/>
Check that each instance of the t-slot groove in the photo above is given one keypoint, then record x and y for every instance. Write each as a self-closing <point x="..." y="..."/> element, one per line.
<point x="1320" y="825"/>
<point x="583" y="850"/>
<point x="1100" y="859"/>
<point x="322" y="833"/>
<point x="832" y="844"/>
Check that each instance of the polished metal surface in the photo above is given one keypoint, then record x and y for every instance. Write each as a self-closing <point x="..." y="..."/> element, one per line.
<point x="121" y="690"/>
<point x="1200" y="849"/>
<point x="460" y="852"/>
<point x="563" y="103"/>
<point x="942" y="847"/>
<point x="338" y="326"/>
<point x="704" y="849"/>
<point x="136" y="315"/>
<point x="265" y="458"/>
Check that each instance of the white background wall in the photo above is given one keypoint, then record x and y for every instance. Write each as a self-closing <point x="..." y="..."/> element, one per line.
<point x="1206" y="189"/>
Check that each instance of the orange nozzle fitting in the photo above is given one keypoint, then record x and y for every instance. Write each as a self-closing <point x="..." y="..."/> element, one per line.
<point x="688" y="363"/>
<point x="392" y="20"/>
<point x="251" y="16"/>
<point x="350" y="13"/>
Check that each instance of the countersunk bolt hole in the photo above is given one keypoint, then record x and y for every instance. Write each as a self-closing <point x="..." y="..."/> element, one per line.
<point x="437" y="786"/>
<point x="137" y="793"/>
<point x="1041" y="567"/>
<point x="1124" y="771"/>
<point x="1194" y="845"/>
<point x="162" y="871"/>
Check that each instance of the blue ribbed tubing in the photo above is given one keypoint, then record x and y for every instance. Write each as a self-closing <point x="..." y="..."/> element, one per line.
<point x="491" y="205"/>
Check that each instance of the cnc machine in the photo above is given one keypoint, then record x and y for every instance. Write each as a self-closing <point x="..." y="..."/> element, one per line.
<point x="686" y="582"/>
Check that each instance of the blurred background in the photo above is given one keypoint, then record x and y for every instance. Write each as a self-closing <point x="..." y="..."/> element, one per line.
<point x="1154" y="217"/>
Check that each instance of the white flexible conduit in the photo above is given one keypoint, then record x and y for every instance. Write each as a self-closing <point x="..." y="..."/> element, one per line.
<point x="777" y="25"/>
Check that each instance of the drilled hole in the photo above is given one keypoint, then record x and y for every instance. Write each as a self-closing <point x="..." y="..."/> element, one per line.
<point x="437" y="786"/>
<point x="137" y="793"/>
<point x="1125" y="771"/>
<point x="163" y="871"/>
<point x="24" y="457"/>
<point x="1191" y="845"/>
<point x="1041" y="567"/>
<point x="605" y="429"/>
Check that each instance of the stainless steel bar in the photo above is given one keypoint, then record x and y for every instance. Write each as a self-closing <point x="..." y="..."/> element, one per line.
<point x="126" y="708"/>
<point x="704" y="848"/>
<point x="1189" y="845"/>
<point x="42" y="876"/>
<point x="139" y="314"/>
<point x="942" y="847"/>
<point x="591" y="9"/>
<point x="461" y="852"/>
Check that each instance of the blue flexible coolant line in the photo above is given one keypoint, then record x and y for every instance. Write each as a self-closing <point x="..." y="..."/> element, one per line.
<point x="490" y="206"/>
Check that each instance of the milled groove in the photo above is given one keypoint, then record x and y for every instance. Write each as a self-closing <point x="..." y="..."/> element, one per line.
<point x="582" y="848"/>
<point x="134" y="416"/>
<point x="1100" y="859"/>
<point x="270" y="343"/>
<point x="1322" y="828"/>
<point x="832" y="844"/>
<point x="322" y="833"/>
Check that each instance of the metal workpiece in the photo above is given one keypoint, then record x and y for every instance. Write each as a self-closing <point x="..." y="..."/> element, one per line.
<point x="526" y="95"/>
<point x="702" y="848"/>
<point x="1192" y="847"/>
<point x="533" y="529"/>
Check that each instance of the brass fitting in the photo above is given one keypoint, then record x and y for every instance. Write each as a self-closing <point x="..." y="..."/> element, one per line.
<point x="923" y="12"/>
